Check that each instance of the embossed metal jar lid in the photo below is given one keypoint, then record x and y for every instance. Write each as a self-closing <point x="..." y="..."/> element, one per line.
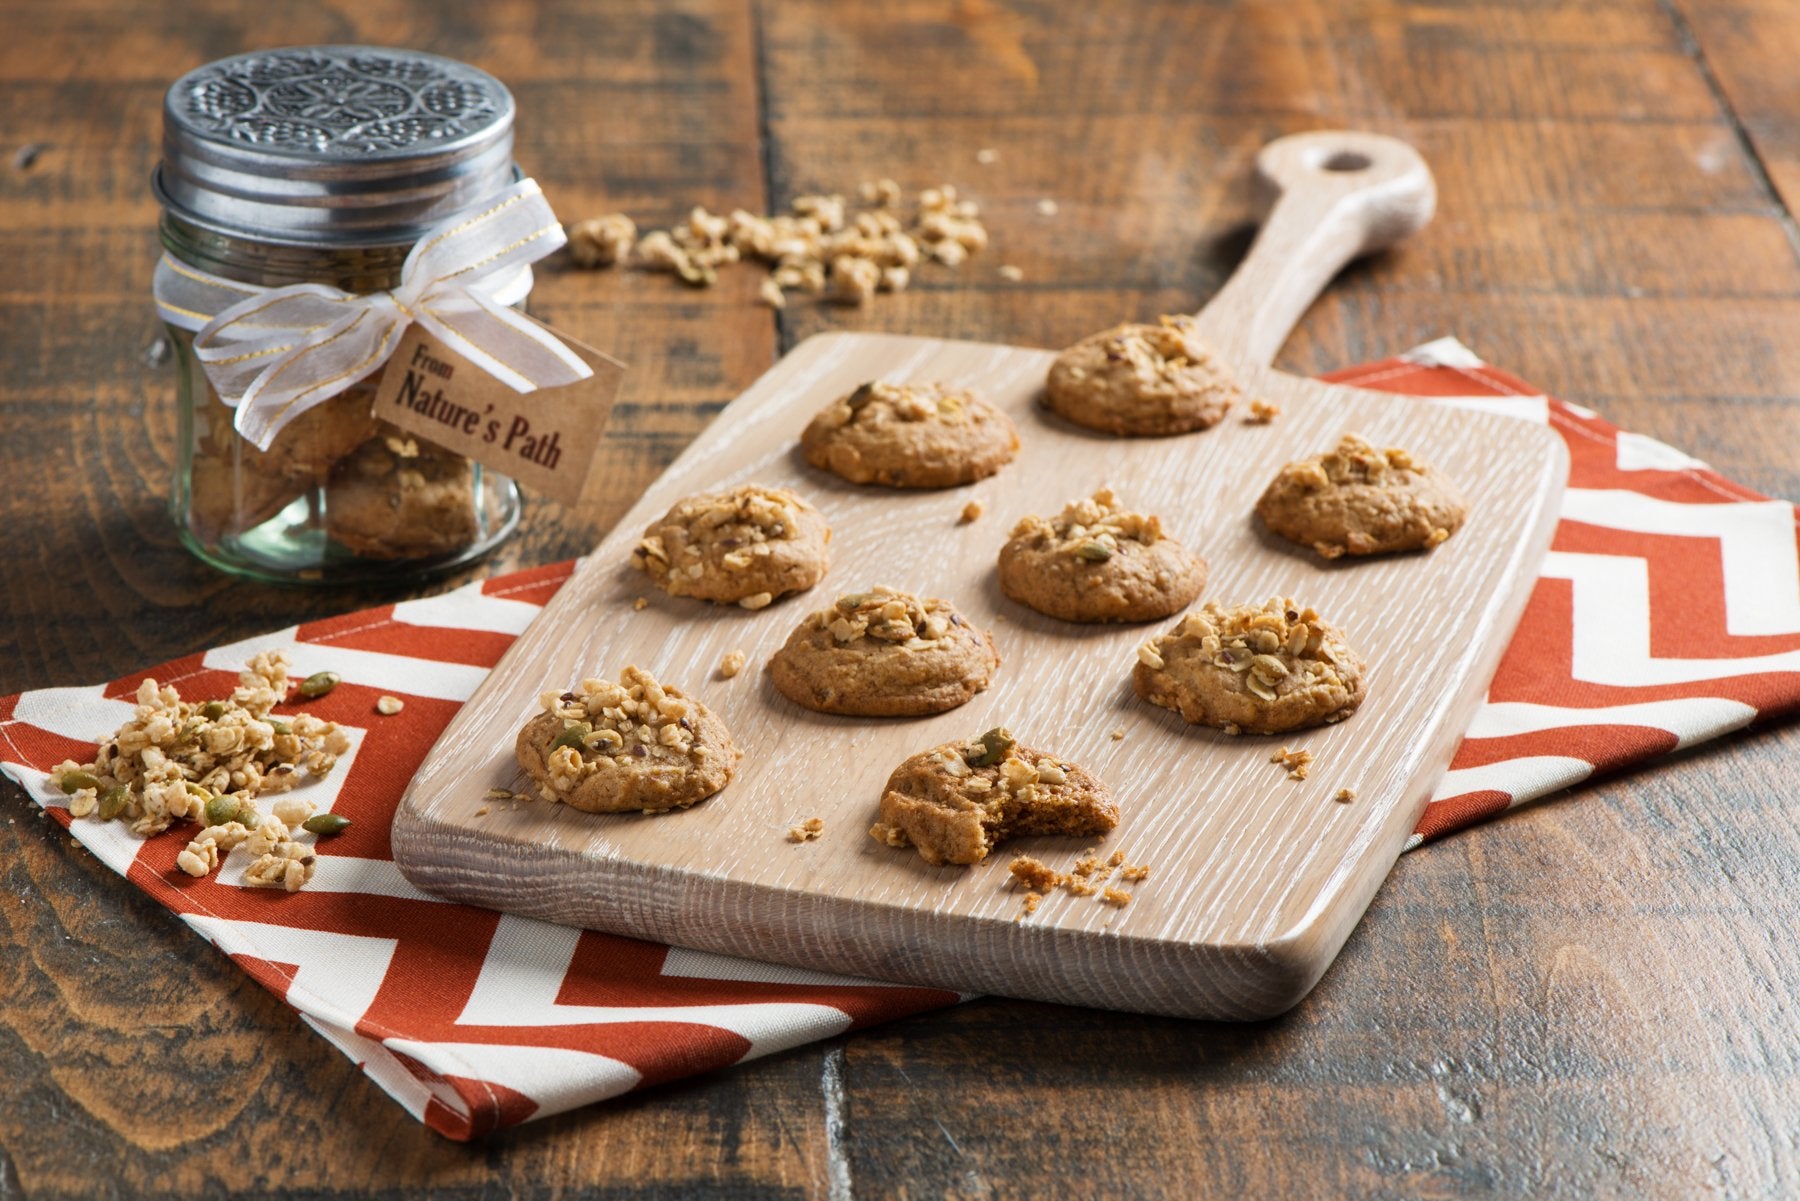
<point x="333" y="145"/>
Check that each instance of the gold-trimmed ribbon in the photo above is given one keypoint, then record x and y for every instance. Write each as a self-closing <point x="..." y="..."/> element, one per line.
<point x="274" y="353"/>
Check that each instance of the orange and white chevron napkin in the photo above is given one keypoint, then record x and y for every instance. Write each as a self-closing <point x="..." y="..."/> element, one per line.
<point x="1667" y="612"/>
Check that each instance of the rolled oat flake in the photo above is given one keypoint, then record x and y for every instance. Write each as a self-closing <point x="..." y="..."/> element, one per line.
<point x="324" y="165"/>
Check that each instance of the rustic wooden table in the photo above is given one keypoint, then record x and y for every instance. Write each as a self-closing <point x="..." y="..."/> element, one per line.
<point x="1591" y="997"/>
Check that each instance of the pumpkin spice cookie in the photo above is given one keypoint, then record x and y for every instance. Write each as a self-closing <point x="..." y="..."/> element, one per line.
<point x="958" y="801"/>
<point x="1142" y="380"/>
<point x="746" y="546"/>
<point x="1095" y="561"/>
<point x="910" y="436"/>
<point x="636" y="745"/>
<point x="400" y="498"/>
<point x="884" y="653"/>
<point x="1362" y="500"/>
<point x="1258" y="669"/>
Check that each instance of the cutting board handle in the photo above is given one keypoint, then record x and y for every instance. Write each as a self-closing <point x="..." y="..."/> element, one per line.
<point x="1332" y="196"/>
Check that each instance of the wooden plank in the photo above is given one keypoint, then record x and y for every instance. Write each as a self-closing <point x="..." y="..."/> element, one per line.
<point x="1749" y="47"/>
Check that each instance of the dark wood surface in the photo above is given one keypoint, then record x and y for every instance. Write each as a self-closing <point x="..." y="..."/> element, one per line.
<point x="1589" y="998"/>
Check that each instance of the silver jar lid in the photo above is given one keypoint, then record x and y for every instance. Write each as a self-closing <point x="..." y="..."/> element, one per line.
<point x="333" y="145"/>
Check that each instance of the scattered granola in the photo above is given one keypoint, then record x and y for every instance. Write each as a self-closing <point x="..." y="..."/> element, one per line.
<point x="1118" y="734"/>
<point x="806" y="831"/>
<point x="640" y="604"/>
<point x="820" y="246"/>
<point x="387" y="706"/>
<point x="971" y="513"/>
<point x="1345" y="795"/>
<point x="1046" y="207"/>
<point x="482" y="812"/>
<point x="1297" y="763"/>
<point x="731" y="664"/>
<point x="500" y="794"/>
<point x="1011" y="273"/>
<point x="1262" y="412"/>
<point x="181" y="760"/>
<point x="602" y="241"/>
<point x="986" y="155"/>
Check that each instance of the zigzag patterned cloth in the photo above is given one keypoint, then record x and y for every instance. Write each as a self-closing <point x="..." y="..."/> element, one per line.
<point x="1667" y="612"/>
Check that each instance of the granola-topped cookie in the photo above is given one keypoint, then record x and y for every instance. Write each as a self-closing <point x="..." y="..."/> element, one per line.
<point x="1257" y="669"/>
<point x="1097" y="561"/>
<point x="958" y="801"/>
<point x="1143" y="380"/>
<point x="401" y="498"/>
<point x="1362" y="500"/>
<point x="746" y="546"/>
<point x="884" y="653"/>
<point x="636" y="745"/>
<point x="910" y="436"/>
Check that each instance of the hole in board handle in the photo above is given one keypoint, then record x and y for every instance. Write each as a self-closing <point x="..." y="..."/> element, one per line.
<point x="1348" y="160"/>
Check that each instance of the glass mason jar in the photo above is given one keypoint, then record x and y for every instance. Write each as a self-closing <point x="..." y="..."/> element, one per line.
<point x="324" y="164"/>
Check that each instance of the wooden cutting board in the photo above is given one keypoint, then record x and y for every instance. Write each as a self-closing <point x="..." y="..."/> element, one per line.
<point x="1256" y="880"/>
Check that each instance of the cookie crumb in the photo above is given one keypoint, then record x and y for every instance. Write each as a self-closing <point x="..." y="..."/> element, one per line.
<point x="1086" y="866"/>
<point x="1118" y="857"/>
<point x="1032" y="900"/>
<point x="1296" y="762"/>
<point x="806" y="831"/>
<point x="640" y="604"/>
<point x="482" y="812"/>
<point x="1035" y="874"/>
<point x="387" y="706"/>
<point x="1011" y="273"/>
<point x="1118" y="734"/>
<point x="1117" y="897"/>
<point x="1079" y="888"/>
<point x="731" y="664"/>
<point x="1046" y="207"/>
<point x="972" y="512"/>
<point x="1262" y="412"/>
<point x="1135" y="872"/>
<point x="1345" y="795"/>
<point x="986" y="155"/>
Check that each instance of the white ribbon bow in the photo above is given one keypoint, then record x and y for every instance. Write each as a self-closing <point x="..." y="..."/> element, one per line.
<point x="278" y="352"/>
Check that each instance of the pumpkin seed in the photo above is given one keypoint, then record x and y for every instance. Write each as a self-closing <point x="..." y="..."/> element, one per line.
<point x="994" y="745"/>
<point x="112" y="802"/>
<point x="281" y="727"/>
<point x="222" y="809"/>
<point x="1093" y="552"/>
<point x="575" y="736"/>
<point x="75" y="781"/>
<point x="318" y="684"/>
<point x="326" y="824"/>
<point x="213" y="710"/>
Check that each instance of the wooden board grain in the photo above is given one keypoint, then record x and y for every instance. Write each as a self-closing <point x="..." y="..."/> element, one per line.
<point x="1256" y="879"/>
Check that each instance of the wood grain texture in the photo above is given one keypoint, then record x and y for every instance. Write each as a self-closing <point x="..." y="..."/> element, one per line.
<point x="1587" y="999"/>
